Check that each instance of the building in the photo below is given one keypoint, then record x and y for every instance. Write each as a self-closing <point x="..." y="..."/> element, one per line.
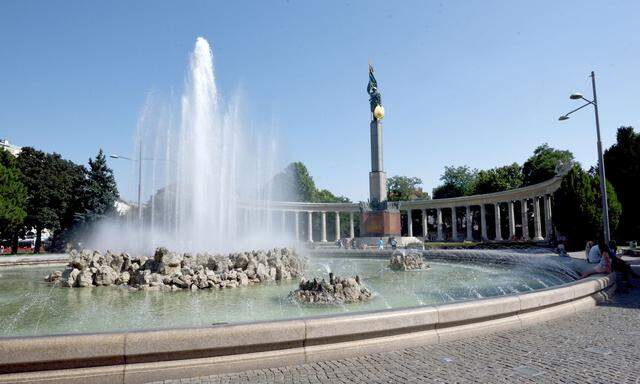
<point x="7" y="146"/>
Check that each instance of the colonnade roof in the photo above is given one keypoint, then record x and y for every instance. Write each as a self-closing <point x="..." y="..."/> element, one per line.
<point x="529" y="192"/>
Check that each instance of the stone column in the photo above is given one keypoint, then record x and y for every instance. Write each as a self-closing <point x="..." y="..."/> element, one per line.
<point x="454" y="224"/>
<point x="548" y="222"/>
<point x="324" y="226"/>
<point x="536" y="219"/>
<point x="337" y="225"/>
<point x="496" y="206"/>
<point x="297" y="224"/>
<point x="512" y="221"/>
<point x="310" y="226"/>
<point x="352" y="232"/>
<point x="483" y="223"/>
<point x="409" y="224"/>
<point x="469" y="222"/>
<point x="425" y="222"/>
<point x="439" y="223"/>
<point x="284" y="220"/>
<point x="525" y="220"/>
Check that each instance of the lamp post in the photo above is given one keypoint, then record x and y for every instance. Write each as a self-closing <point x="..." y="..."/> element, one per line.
<point x="139" y="177"/>
<point x="603" y="186"/>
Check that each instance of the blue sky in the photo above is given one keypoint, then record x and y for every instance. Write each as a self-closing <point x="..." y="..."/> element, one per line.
<point x="480" y="83"/>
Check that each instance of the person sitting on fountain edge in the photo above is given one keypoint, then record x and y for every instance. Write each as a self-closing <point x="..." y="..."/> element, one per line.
<point x="620" y="265"/>
<point x="604" y="263"/>
<point x="593" y="252"/>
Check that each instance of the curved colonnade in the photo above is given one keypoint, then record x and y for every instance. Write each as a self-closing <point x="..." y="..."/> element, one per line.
<point x="517" y="214"/>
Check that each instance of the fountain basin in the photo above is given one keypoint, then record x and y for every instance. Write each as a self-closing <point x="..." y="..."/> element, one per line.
<point x="141" y="356"/>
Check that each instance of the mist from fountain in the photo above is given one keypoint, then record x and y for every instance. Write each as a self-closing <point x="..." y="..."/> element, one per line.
<point x="200" y="166"/>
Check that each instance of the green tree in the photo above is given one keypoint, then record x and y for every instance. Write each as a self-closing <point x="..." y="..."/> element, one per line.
<point x="101" y="190"/>
<point x="577" y="208"/>
<point x="294" y="184"/>
<point x="403" y="188"/>
<point x="541" y="166"/>
<point x="498" y="179"/>
<point x="54" y="191"/>
<point x="13" y="198"/>
<point x="456" y="181"/>
<point x="622" y="167"/>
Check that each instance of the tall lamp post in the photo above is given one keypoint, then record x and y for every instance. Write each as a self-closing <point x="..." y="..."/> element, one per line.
<point x="139" y="160"/>
<point x="603" y="186"/>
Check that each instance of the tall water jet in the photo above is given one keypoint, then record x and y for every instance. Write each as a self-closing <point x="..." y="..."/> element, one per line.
<point x="198" y="171"/>
<point x="205" y="189"/>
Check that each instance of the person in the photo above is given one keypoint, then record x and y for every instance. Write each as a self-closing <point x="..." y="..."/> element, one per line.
<point x="339" y="243"/>
<point x="587" y="248"/>
<point x="620" y="265"/>
<point x="561" y="249"/>
<point x="594" y="254"/>
<point x="394" y="243"/>
<point x="381" y="244"/>
<point x="604" y="264"/>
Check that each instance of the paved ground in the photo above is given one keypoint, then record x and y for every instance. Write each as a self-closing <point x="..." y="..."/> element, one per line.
<point x="601" y="345"/>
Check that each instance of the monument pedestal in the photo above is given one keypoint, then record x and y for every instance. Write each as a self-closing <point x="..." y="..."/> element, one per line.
<point x="383" y="223"/>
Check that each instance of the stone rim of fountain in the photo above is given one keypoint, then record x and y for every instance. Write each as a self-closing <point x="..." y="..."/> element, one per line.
<point x="150" y="355"/>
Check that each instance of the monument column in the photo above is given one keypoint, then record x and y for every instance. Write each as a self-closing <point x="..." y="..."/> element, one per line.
<point x="337" y="225"/>
<point x="377" y="177"/>
<point x="525" y="219"/>
<point x="469" y="222"/>
<point x="352" y="233"/>
<point x="379" y="217"/>
<point x="297" y="224"/>
<point x="324" y="226"/>
<point x="439" y="223"/>
<point x="496" y="206"/>
<point x="425" y="223"/>
<point x="409" y="224"/>
<point x="483" y="223"/>
<point x="310" y="226"/>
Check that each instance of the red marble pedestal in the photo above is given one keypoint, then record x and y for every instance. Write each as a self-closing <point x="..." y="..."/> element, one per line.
<point x="380" y="224"/>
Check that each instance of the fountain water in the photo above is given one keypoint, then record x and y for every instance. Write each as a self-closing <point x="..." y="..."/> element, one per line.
<point x="198" y="166"/>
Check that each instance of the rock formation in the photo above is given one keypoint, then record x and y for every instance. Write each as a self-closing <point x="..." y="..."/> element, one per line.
<point x="407" y="262"/>
<point x="336" y="291"/>
<point x="173" y="271"/>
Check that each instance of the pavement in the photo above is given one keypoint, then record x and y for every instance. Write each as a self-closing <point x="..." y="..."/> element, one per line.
<point x="599" y="345"/>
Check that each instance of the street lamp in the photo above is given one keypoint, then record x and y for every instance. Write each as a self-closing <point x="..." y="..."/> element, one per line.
<point x="603" y="186"/>
<point x="139" y="160"/>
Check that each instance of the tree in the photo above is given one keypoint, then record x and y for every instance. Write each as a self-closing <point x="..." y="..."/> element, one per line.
<point x="403" y="188"/>
<point x="54" y="191"/>
<point x="542" y="165"/>
<point x="13" y="198"/>
<point x="101" y="190"/>
<point x="294" y="184"/>
<point x="457" y="181"/>
<point x="622" y="167"/>
<point x="577" y="207"/>
<point x="498" y="179"/>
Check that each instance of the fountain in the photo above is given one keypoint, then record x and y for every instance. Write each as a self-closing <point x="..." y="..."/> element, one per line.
<point x="198" y="170"/>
